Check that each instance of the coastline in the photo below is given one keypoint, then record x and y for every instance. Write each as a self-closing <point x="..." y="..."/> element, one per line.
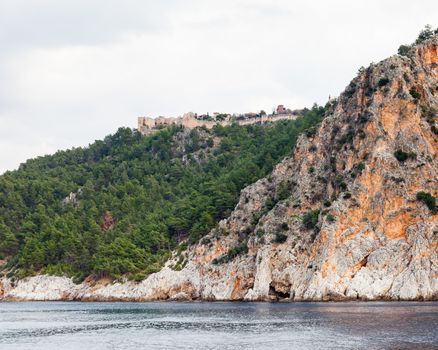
<point x="55" y="288"/>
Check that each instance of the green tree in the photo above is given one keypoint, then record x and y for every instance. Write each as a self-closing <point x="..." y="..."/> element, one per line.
<point x="425" y="34"/>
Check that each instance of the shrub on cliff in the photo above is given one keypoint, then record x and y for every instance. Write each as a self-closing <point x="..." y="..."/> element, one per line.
<point x="383" y="81"/>
<point x="279" y="238"/>
<point x="284" y="226"/>
<point x="310" y="219"/>
<point x="403" y="50"/>
<point x="402" y="156"/>
<point x="330" y="218"/>
<point x="283" y="191"/>
<point x="429" y="200"/>
<point x="414" y="93"/>
<point x="425" y="34"/>
<point x="429" y="113"/>
<point x="340" y="182"/>
<point x="242" y="248"/>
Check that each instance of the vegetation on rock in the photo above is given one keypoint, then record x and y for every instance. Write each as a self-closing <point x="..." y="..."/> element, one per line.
<point x="403" y="156"/>
<point x="310" y="219"/>
<point x="280" y="238"/>
<point x="414" y="93"/>
<point x="232" y="253"/>
<point x="429" y="200"/>
<point x="426" y="33"/>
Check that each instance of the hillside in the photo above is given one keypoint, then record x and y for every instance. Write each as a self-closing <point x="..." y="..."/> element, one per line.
<point x="351" y="213"/>
<point x="118" y="207"/>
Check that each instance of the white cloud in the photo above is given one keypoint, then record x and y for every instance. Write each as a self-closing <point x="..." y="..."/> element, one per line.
<point x="74" y="71"/>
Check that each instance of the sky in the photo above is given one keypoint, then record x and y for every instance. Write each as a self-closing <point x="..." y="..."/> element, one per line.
<point x="73" y="71"/>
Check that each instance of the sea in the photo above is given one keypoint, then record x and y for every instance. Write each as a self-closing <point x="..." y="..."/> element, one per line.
<point x="218" y="325"/>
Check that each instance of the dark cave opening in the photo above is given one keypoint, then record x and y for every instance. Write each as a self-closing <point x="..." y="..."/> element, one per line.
<point x="278" y="294"/>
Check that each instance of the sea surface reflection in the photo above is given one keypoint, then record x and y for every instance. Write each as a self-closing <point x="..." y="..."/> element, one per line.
<point x="203" y="325"/>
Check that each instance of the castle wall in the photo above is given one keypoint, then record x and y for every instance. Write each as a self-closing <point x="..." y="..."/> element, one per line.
<point x="147" y="125"/>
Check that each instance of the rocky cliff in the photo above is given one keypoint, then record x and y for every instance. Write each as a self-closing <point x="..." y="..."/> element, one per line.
<point x="349" y="215"/>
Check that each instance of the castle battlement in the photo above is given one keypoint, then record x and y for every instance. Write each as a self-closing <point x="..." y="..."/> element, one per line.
<point x="148" y="125"/>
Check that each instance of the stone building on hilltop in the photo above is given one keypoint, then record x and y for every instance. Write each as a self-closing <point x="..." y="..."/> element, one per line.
<point x="148" y="125"/>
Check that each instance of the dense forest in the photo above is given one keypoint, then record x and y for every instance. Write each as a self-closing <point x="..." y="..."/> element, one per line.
<point x="119" y="206"/>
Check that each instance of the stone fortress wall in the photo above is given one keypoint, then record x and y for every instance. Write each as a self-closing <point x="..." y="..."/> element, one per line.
<point x="148" y="125"/>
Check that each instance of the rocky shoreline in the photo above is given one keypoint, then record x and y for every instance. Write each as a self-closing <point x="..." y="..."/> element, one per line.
<point x="157" y="287"/>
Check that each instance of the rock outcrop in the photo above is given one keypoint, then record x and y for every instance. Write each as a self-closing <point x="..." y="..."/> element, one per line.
<point x="339" y="219"/>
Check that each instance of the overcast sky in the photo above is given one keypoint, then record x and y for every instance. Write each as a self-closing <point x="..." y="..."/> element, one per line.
<point x="73" y="71"/>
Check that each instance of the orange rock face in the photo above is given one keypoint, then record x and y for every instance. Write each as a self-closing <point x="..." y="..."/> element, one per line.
<point x="373" y="239"/>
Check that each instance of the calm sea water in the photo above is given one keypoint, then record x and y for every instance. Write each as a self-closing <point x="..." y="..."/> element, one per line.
<point x="275" y="326"/>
